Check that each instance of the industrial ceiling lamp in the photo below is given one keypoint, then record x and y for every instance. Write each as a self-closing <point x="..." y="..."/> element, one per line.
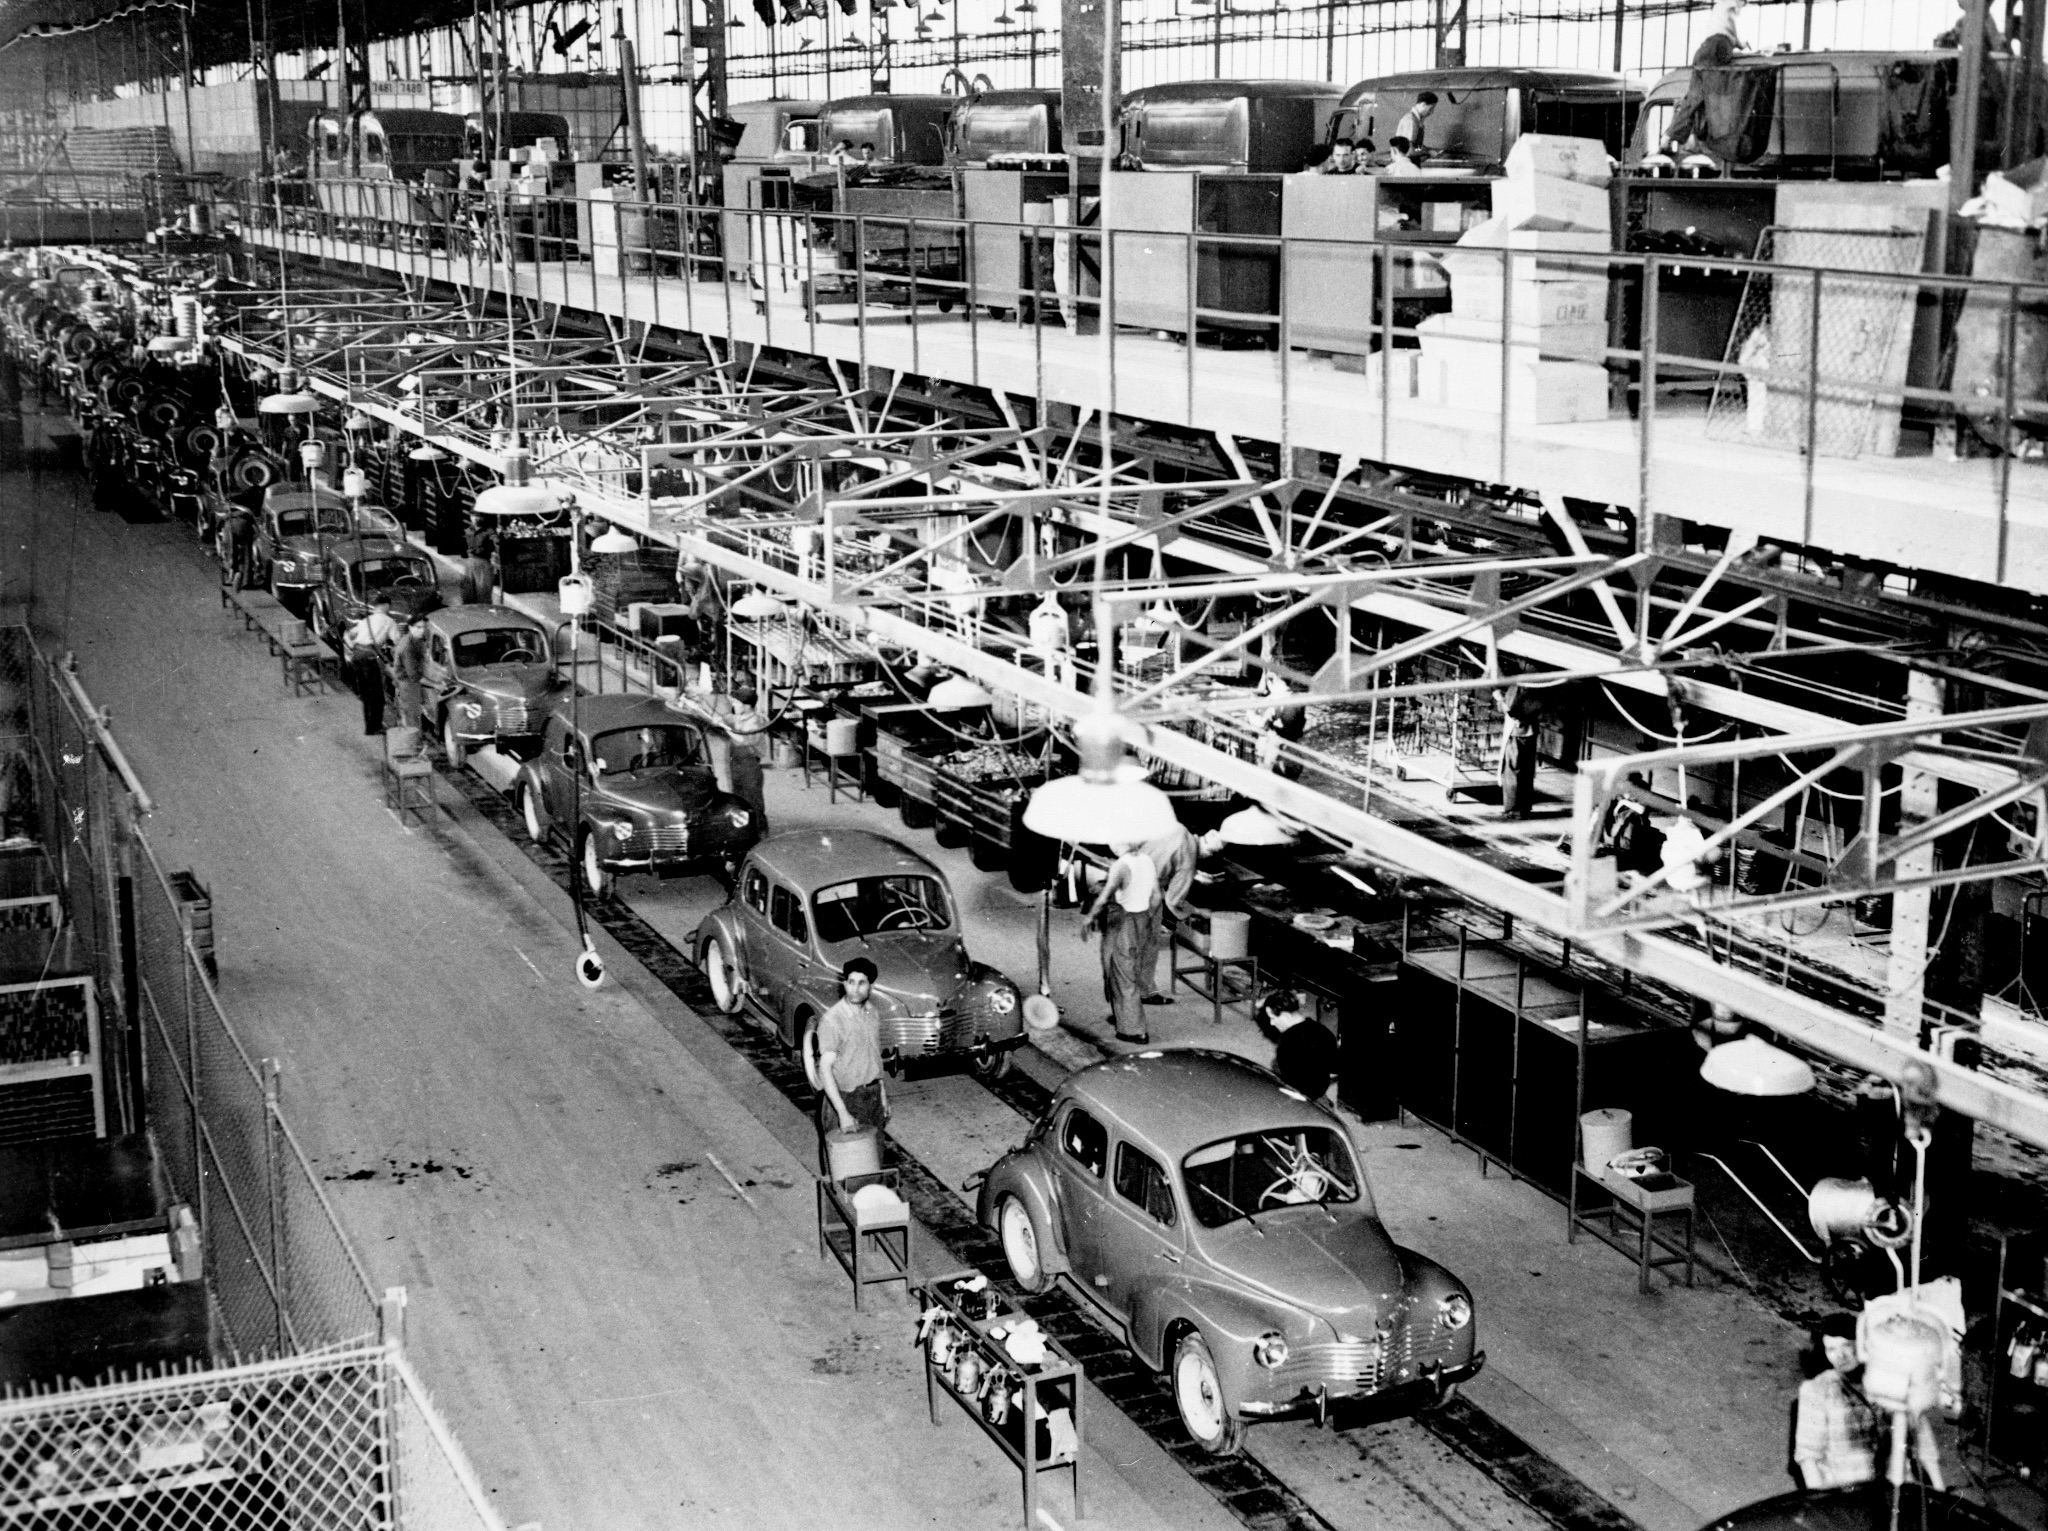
<point x="758" y="606"/>
<point x="957" y="693"/>
<point x="612" y="540"/>
<point x="1752" y="1066"/>
<point x="1105" y="804"/>
<point x="289" y="402"/>
<point x="426" y="451"/>
<point x="1254" y="826"/>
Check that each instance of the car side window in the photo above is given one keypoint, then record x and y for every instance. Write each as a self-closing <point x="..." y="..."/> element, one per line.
<point x="1085" y="1141"/>
<point x="440" y="650"/>
<point x="788" y="914"/>
<point x="755" y="891"/>
<point x="1141" y="1181"/>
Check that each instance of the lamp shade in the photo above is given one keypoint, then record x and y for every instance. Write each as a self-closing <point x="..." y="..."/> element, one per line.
<point x="956" y="694"/>
<point x="516" y="500"/>
<point x="1254" y="826"/>
<point x="758" y="606"/>
<point x="1085" y="812"/>
<point x="1752" y="1066"/>
<point x="358" y="421"/>
<point x="288" y="404"/>
<point x="612" y="540"/>
<point x="427" y="452"/>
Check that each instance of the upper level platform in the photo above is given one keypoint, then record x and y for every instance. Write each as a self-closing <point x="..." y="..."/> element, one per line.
<point x="1721" y="444"/>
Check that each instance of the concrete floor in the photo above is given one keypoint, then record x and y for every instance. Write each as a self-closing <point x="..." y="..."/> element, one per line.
<point x="619" y="1338"/>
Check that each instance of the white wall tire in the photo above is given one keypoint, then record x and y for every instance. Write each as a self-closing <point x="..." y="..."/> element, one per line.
<point x="723" y="974"/>
<point x="597" y="882"/>
<point x="529" y="810"/>
<point x="1198" y="1394"/>
<point x="1022" y="1248"/>
<point x="451" y="743"/>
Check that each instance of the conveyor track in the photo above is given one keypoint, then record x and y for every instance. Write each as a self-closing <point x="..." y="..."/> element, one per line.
<point x="1243" y="1485"/>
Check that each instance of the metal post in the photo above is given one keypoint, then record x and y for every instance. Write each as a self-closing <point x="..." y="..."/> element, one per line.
<point x="274" y="1181"/>
<point x="1966" y="120"/>
<point x="1919" y="800"/>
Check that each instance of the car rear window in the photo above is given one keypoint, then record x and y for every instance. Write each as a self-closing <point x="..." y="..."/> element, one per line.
<point x="1085" y="1142"/>
<point x="1141" y="1180"/>
<point x="1262" y="1171"/>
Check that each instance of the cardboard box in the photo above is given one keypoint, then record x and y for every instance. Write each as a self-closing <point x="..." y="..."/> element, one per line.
<point x="1527" y="342"/>
<point x="1461" y="374"/>
<point x="1569" y="159"/>
<point x="1550" y="203"/>
<point x="1532" y="301"/>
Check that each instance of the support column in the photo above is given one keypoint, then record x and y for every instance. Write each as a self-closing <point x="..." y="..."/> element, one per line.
<point x="1906" y="980"/>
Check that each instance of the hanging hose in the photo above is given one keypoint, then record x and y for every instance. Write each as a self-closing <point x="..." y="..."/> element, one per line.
<point x="1811" y="1257"/>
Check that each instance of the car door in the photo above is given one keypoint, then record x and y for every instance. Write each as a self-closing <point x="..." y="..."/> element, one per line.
<point x="1142" y="1235"/>
<point x="796" y="971"/>
<point x="760" y="947"/>
<point x="1084" y="1162"/>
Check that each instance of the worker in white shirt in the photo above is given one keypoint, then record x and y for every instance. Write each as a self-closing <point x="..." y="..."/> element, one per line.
<point x="1398" y="162"/>
<point x="1122" y="910"/>
<point x="364" y="644"/>
<point x="1411" y="125"/>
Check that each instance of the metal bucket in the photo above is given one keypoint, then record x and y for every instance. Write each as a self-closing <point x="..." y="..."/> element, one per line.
<point x="848" y="1154"/>
<point x="1605" y="1133"/>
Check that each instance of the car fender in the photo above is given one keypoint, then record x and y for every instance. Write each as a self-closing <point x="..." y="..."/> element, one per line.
<point x="1021" y="1173"/>
<point x="973" y="998"/>
<point x="720" y="922"/>
<point x="528" y="780"/>
<point x="1230" y="1320"/>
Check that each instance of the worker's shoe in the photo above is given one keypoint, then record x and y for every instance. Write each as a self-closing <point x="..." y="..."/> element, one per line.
<point x="1158" y="999"/>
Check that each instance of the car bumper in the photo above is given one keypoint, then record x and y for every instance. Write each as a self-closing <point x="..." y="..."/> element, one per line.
<point x="1348" y="1409"/>
<point x="945" y="1060"/>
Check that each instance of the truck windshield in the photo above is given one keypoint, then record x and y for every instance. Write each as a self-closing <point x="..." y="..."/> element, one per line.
<point x="1259" y="1171"/>
<point x="873" y="905"/>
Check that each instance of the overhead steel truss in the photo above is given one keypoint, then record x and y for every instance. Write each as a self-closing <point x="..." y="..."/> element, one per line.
<point x="847" y="497"/>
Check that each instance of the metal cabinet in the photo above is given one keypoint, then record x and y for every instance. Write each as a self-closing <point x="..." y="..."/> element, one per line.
<point x="1335" y="225"/>
<point x="1151" y="218"/>
<point x="1008" y="267"/>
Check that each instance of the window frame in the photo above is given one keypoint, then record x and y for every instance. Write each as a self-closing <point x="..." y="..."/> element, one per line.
<point x="1128" y="1151"/>
<point x="751" y="879"/>
<point x="786" y="914"/>
<point x="1076" y="1115"/>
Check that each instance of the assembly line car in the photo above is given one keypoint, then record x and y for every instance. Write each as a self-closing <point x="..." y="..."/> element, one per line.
<point x="810" y="900"/>
<point x="357" y="569"/>
<point x="488" y="680"/>
<point x="293" y="529"/>
<point x="630" y="782"/>
<point x="1222" y="1224"/>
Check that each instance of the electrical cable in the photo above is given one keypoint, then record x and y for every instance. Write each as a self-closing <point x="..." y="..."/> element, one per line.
<point x="1651" y="733"/>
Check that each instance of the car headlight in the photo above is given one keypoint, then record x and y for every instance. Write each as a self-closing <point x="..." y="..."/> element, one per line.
<point x="622" y="830"/>
<point x="1270" y="1350"/>
<point x="1455" y="1311"/>
<point x="1002" y="1001"/>
<point x="740" y="818"/>
<point x="471" y="710"/>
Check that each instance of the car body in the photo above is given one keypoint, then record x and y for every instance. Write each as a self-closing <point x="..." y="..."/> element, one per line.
<point x="489" y="679"/>
<point x="1226" y="127"/>
<point x="667" y="816"/>
<point x="1223" y="1224"/>
<point x="807" y="901"/>
<point x="293" y="529"/>
<point x="359" y="567"/>
<point x="1482" y="110"/>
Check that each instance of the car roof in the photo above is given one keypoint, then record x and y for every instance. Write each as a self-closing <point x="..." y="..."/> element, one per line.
<point x="811" y="858"/>
<point x="1486" y="78"/>
<point x="1177" y="1099"/>
<point x="620" y="709"/>
<point x="1224" y="90"/>
<point x="476" y="617"/>
<point x="370" y="545"/>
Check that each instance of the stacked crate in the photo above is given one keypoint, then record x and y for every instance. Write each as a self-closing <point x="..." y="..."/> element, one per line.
<point x="1553" y="337"/>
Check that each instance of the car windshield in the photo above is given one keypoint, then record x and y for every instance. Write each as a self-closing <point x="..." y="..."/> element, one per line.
<point x="383" y="573"/>
<point x="301" y="523"/>
<point x="870" y="905"/>
<point x="499" y="645"/>
<point x="649" y="748"/>
<point x="1259" y="1171"/>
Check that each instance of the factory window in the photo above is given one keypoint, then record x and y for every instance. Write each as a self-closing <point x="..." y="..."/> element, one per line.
<point x="756" y="891"/>
<point x="1141" y="1181"/>
<point x="1086" y="1142"/>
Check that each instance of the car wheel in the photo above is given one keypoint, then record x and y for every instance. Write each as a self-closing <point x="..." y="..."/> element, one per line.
<point x="994" y="1064"/>
<point x="270" y="575"/>
<point x="451" y="744"/>
<point x="950" y="833"/>
<point x="1198" y="1392"/>
<point x="807" y="1049"/>
<point x="986" y="855"/>
<point x="529" y="809"/>
<point x="321" y="620"/>
<point x="1021" y="1244"/>
<point x="724" y="976"/>
<point x="596" y="880"/>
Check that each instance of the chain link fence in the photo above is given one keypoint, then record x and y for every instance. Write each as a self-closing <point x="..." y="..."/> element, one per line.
<point x="333" y="1429"/>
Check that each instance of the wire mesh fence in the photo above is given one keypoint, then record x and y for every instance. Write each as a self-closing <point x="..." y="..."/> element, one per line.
<point x="306" y="1422"/>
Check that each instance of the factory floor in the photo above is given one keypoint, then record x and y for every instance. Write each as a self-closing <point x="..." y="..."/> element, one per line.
<point x="604" y="1214"/>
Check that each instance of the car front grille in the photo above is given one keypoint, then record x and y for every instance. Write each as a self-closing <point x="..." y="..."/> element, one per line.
<point x="911" y="1034"/>
<point x="514" y="718"/>
<point x="659" y="840"/>
<point x="1415" y="1342"/>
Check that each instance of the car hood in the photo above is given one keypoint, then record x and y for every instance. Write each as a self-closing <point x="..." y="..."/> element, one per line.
<point x="511" y="683"/>
<point x="1347" y="1272"/>
<point x="918" y="972"/>
<point x="659" y="791"/>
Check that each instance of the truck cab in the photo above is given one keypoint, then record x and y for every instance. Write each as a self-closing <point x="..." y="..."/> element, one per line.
<point x="1480" y="113"/>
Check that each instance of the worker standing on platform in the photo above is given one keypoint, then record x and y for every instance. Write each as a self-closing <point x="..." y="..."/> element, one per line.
<point x="1173" y="856"/>
<point x="850" y="1088"/>
<point x="1121" y="911"/>
<point x="1414" y="124"/>
<point x="409" y="671"/>
<point x="364" y="643"/>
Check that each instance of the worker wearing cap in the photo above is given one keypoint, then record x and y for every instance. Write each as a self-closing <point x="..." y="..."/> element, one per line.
<point x="364" y="643"/>
<point x="851" y="1092"/>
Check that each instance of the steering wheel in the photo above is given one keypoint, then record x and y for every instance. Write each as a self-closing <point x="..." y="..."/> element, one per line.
<point x="909" y="917"/>
<point x="1296" y="1188"/>
<point x="407" y="579"/>
<point x="519" y="656"/>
